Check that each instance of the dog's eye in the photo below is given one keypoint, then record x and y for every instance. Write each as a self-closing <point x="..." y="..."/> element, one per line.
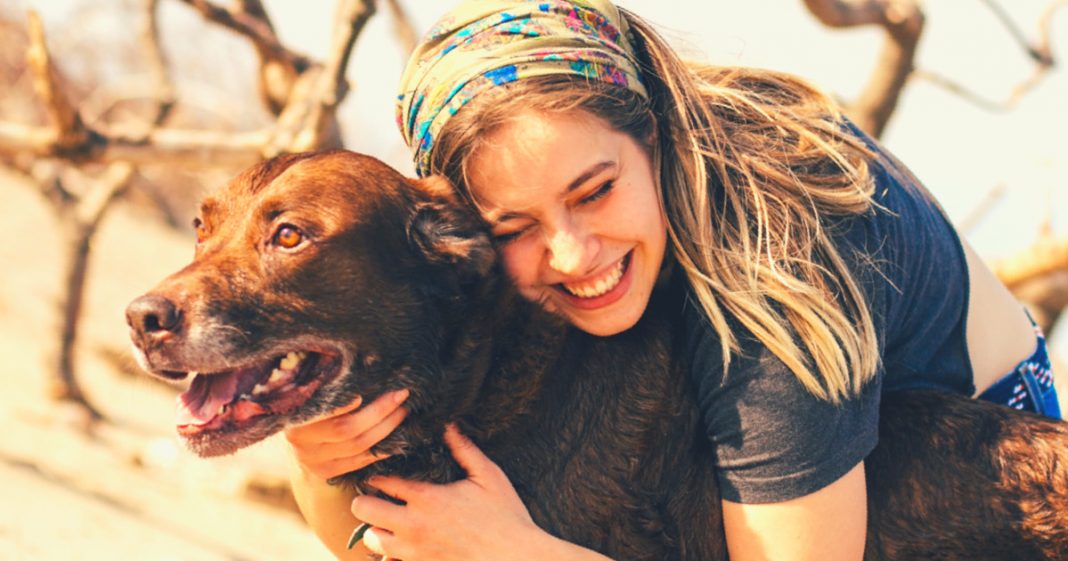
<point x="288" y="236"/>
<point x="201" y="231"/>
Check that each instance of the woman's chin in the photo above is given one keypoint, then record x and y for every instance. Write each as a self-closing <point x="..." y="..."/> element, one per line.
<point x="605" y="322"/>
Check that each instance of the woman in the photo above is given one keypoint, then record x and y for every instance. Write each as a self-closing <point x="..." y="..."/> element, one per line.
<point x="819" y="274"/>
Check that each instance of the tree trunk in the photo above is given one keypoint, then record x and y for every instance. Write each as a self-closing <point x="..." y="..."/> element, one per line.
<point x="76" y="247"/>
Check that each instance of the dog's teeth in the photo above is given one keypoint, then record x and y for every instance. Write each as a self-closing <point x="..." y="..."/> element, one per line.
<point x="276" y="375"/>
<point x="291" y="360"/>
<point x="259" y="389"/>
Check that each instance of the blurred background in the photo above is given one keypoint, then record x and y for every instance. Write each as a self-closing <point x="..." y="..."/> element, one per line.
<point x="117" y="115"/>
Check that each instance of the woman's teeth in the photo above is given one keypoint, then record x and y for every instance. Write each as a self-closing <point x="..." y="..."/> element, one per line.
<point x="598" y="287"/>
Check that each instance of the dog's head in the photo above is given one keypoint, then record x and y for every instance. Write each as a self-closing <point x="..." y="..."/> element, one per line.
<point x="316" y="277"/>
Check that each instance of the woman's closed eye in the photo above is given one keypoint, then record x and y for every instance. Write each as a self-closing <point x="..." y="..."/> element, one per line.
<point x="599" y="193"/>
<point x="504" y="238"/>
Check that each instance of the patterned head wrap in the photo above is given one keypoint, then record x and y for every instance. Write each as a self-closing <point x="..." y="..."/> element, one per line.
<point x="485" y="43"/>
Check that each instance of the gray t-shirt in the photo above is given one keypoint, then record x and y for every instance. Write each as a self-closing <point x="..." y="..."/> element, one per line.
<point x="772" y="440"/>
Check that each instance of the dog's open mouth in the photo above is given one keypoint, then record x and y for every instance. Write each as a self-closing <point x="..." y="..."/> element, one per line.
<point x="236" y="398"/>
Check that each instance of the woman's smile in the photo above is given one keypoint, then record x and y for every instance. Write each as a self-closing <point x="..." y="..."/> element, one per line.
<point x="599" y="290"/>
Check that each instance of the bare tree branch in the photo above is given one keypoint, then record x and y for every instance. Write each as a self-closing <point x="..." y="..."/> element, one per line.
<point x="104" y="190"/>
<point x="309" y="120"/>
<point x="142" y="144"/>
<point x="1038" y="276"/>
<point x="903" y="21"/>
<point x="982" y="209"/>
<point x="280" y="67"/>
<point x="161" y="78"/>
<point x="1047" y="255"/>
<point x="66" y="125"/>
<point x="196" y="147"/>
<point x="1041" y="52"/>
<point x="351" y="18"/>
<point x="1035" y="52"/>
<point x="81" y="210"/>
<point x="403" y="28"/>
<point x="250" y="21"/>
<point x="839" y="13"/>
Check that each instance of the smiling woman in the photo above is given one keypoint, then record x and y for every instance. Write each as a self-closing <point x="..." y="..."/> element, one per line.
<point x="584" y="236"/>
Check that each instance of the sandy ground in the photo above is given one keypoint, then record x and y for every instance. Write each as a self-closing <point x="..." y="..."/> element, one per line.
<point x="125" y="489"/>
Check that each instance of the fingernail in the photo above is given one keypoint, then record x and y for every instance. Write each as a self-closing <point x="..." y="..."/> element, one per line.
<point x="400" y="396"/>
<point x="357" y="534"/>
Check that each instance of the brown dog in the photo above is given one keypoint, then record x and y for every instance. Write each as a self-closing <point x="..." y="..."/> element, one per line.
<point x="319" y="277"/>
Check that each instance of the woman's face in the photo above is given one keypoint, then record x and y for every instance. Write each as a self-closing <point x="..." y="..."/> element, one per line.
<point x="572" y="204"/>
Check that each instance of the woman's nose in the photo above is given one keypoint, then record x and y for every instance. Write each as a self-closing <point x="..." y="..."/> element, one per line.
<point x="570" y="250"/>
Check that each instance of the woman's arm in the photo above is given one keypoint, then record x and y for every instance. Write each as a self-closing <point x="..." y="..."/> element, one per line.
<point x="326" y="509"/>
<point x="999" y="333"/>
<point x="827" y="525"/>
<point x="329" y="447"/>
<point x="480" y="517"/>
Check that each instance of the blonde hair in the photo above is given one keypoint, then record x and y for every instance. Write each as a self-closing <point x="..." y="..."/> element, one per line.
<point x="750" y="162"/>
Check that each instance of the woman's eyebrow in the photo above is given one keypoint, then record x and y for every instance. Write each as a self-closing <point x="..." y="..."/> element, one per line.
<point x="592" y="171"/>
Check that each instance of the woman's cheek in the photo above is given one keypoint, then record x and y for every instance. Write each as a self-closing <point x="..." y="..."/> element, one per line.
<point x="520" y="262"/>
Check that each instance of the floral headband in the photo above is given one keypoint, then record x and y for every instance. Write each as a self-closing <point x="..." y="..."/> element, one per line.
<point x="485" y="43"/>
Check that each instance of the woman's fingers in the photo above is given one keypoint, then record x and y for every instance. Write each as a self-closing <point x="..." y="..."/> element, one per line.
<point x="320" y="451"/>
<point x="349" y="425"/>
<point x="334" y="459"/>
<point x="381" y="541"/>
<point x="401" y="489"/>
<point x="317" y="424"/>
<point x="468" y="455"/>
<point x="376" y="433"/>
<point x="380" y="515"/>
<point x="342" y="442"/>
<point x="348" y="422"/>
<point x="378" y="512"/>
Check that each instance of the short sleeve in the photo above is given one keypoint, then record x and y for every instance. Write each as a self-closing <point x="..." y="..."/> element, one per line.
<point x="772" y="440"/>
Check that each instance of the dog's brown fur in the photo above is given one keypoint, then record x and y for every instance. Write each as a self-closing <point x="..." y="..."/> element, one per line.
<point x="397" y="286"/>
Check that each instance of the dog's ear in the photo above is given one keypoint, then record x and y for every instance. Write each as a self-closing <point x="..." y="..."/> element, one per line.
<point x="445" y="232"/>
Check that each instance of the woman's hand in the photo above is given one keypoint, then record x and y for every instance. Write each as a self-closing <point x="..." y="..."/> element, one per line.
<point x="334" y="445"/>
<point x="480" y="517"/>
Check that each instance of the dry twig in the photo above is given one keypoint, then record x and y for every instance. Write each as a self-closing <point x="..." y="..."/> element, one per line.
<point x="1040" y="52"/>
<point x="903" y="22"/>
<point x="1038" y="276"/>
<point x="403" y="28"/>
<point x="307" y="117"/>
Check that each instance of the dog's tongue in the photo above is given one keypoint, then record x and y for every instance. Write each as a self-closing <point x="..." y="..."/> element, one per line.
<point x="201" y="402"/>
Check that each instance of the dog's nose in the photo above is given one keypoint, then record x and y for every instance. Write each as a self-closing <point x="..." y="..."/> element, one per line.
<point x="152" y="315"/>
